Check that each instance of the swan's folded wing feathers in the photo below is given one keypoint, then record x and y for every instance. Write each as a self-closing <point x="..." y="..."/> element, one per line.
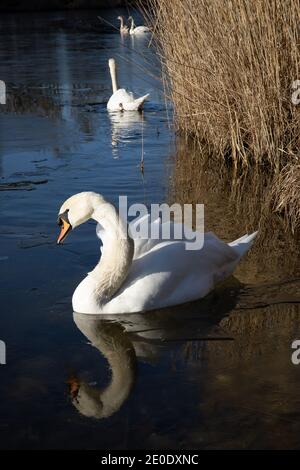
<point x="169" y="275"/>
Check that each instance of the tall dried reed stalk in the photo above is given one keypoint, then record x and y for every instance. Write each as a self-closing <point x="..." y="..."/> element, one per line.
<point x="230" y="66"/>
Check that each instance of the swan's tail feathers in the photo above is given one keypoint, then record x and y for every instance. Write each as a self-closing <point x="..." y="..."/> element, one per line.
<point x="243" y="244"/>
<point x="140" y="101"/>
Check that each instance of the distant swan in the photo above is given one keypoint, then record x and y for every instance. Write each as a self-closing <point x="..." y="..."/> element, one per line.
<point x="123" y="28"/>
<point x="137" y="30"/>
<point x="144" y="274"/>
<point x="122" y="100"/>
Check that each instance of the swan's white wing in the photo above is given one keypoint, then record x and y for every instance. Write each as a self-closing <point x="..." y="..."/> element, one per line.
<point x="169" y="274"/>
<point x="165" y="273"/>
<point x="143" y="231"/>
<point x="122" y="100"/>
<point x="117" y="99"/>
<point x="140" y="232"/>
<point x="135" y="104"/>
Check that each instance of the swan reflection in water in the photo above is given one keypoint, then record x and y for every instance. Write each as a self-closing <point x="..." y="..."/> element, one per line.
<point x="125" y="126"/>
<point x="115" y="346"/>
<point x="122" y="339"/>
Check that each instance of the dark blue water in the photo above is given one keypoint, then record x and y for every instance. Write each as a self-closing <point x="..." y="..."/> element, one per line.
<point x="213" y="374"/>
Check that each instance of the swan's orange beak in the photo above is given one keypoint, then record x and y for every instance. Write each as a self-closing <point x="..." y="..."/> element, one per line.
<point x="65" y="229"/>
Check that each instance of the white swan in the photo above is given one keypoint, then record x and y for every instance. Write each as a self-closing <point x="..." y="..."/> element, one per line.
<point x="122" y="100"/>
<point x="137" y="30"/>
<point x="144" y="274"/>
<point x="123" y="28"/>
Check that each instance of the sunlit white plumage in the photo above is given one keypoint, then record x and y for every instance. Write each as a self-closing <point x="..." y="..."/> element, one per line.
<point x="137" y="30"/>
<point x="121" y="99"/>
<point x="145" y="274"/>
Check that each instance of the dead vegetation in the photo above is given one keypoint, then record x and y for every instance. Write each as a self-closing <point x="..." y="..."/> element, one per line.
<point x="230" y="67"/>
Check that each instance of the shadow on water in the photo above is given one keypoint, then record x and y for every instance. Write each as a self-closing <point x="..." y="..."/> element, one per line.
<point x="216" y="373"/>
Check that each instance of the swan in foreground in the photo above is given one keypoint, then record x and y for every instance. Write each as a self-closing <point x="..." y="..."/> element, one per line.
<point x="122" y="100"/>
<point x="135" y="275"/>
<point x="123" y="28"/>
<point x="137" y="30"/>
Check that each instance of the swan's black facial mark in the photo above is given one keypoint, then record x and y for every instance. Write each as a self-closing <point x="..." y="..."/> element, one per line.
<point x="66" y="227"/>
<point x="63" y="216"/>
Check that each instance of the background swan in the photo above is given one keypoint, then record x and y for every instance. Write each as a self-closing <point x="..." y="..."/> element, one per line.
<point x="144" y="274"/>
<point x="122" y="100"/>
<point x="123" y="28"/>
<point x="137" y="30"/>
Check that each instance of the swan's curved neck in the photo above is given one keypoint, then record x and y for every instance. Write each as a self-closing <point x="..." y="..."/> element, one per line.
<point x="132" y="25"/>
<point x="113" y="74"/>
<point x="117" y="253"/>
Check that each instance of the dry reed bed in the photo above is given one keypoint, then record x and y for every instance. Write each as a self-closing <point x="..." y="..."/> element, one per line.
<point x="230" y="67"/>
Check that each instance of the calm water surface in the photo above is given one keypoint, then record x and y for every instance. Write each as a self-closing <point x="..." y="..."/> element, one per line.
<point x="212" y="374"/>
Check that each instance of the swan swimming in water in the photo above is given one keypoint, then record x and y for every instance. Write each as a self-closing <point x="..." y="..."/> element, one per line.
<point x="137" y="30"/>
<point x="135" y="275"/>
<point x="123" y="28"/>
<point x="121" y="99"/>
